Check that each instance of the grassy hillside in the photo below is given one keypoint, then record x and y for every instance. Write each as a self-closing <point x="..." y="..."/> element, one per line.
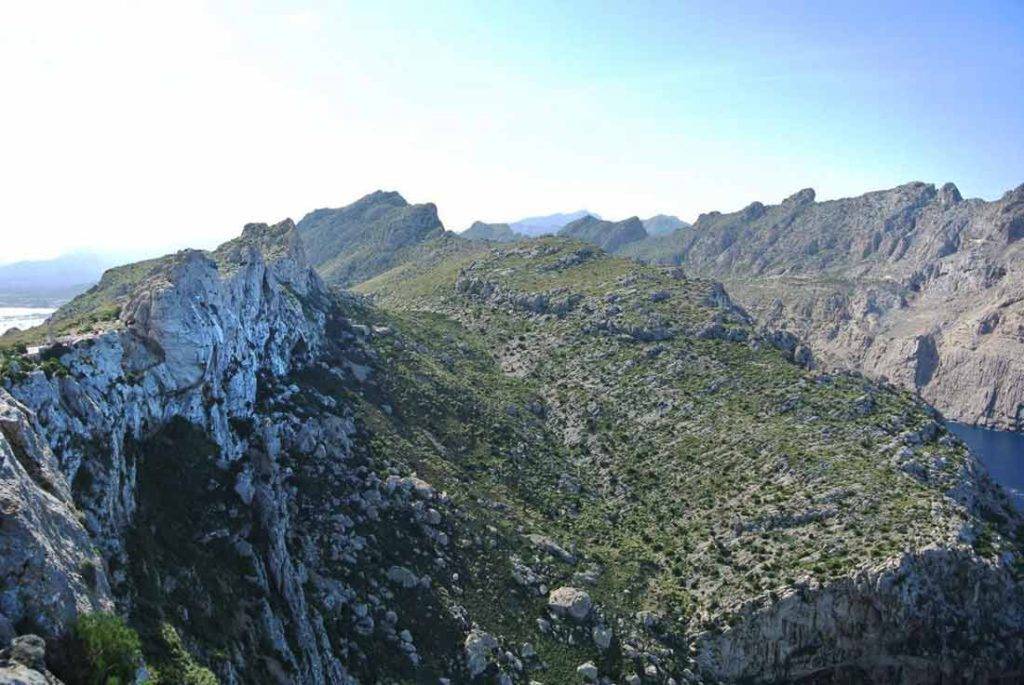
<point x="628" y="414"/>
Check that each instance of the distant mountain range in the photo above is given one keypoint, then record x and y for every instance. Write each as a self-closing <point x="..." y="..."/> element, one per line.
<point x="49" y="282"/>
<point x="548" y="224"/>
<point x="531" y="227"/>
<point x="914" y="284"/>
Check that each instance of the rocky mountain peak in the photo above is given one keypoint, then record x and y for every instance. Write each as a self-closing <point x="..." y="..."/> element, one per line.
<point x="267" y="233"/>
<point x="271" y="240"/>
<point x="385" y="197"/>
<point x="663" y="224"/>
<point x="755" y="210"/>
<point x="608" y="235"/>
<point x="352" y="243"/>
<point x="949" y="194"/>
<point x="582" y="222"/>
<point x="800" y="198"/>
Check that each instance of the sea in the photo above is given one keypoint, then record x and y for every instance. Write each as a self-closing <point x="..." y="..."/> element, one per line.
<point x="22" y="317"/>
<point x="1002" y="453"/>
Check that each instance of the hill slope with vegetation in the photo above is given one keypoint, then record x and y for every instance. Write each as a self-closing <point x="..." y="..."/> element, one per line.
<point x="524" y="463"/>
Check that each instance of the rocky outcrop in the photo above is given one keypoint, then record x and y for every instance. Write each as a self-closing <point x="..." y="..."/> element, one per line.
<point x="914" y="284"/>
<point x="49" y="570"/>
<point x="192" y="343"/>
<point x="23" y="662"/>
<point x="886" y="624"/>
<point x="195" y="344"/>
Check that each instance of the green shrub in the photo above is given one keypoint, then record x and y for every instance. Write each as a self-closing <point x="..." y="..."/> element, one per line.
<point x="178" y="668"/>
<point x="53" y="367"/>
<point x="107" y="651"/>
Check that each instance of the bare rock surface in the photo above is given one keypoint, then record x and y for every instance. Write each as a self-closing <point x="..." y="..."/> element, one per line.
<point x="914" y="284"/>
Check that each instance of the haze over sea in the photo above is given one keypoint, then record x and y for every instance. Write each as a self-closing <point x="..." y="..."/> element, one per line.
<point x="22" y="317"/>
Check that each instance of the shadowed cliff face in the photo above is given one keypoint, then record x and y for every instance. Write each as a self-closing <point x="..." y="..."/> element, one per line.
<point x="493" y="464"/>
<point x="914" y="284"/>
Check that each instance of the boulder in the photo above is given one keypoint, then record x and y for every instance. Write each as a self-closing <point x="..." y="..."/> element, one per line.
<point x="587" y="671"/>
<point x="24" y="663"/>
<point x="570" y="602"/>
<point x="479" y="648"/>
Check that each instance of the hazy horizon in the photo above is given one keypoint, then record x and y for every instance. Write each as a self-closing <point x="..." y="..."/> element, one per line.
<point x="146" y="129"/>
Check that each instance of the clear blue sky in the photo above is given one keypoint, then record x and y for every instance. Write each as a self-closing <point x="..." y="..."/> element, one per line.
<point x="163" y="125"/>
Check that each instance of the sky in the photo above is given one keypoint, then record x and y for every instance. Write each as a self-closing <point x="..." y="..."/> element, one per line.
<point x="143" y="127"/>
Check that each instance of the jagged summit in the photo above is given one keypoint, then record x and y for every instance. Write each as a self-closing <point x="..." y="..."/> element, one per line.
<point x="391" y="197"/>
<point x="949" y="194"/>
<point x="801" y="197"/>
<point x="272" y="241"/>
<point x="274" y="247"/>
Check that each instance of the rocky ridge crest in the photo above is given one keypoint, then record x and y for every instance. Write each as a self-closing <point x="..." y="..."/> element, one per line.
<point x="914" y="284"/>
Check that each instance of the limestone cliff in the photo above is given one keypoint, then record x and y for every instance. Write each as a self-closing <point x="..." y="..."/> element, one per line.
<point x="914" y="284"/>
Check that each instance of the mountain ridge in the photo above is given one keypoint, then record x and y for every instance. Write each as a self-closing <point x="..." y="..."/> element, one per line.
<point x="501" y="233"/>
<point x="547" y="224"/>
<point x="914" y="283"/>
<point x="488" y="462"/>
<point x="662" y="224"/>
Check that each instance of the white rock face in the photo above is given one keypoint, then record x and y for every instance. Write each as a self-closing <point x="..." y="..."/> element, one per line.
<point x="587" y="671"/>
<point x="913" y="284"/>
<point x="192" y="344"/>
<point x="48" y="569"/>
<point x="195" y="342"/>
